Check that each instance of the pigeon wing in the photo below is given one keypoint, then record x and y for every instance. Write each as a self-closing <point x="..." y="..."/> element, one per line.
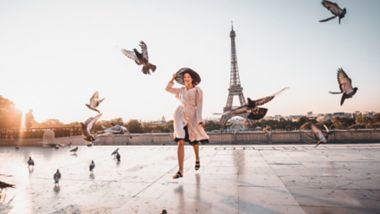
<point x="130" y="54"/>
<point x="144" y="50"/>
<point x="332" y="7"/>
<point x="94" y="99"/>
<point x="263" y="100"/>
<point x="305" y="126"/>
<point x="91" y="122"/>
<point x="327" y="129"/>
<point x="344" y="81"/>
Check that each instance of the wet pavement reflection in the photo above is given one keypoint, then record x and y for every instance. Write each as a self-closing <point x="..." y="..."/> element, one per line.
<point x="232" y="179"/>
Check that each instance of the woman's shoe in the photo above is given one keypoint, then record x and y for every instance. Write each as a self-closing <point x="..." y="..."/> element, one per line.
<point x="178" y="175"/>
<point x="197" y="165"/>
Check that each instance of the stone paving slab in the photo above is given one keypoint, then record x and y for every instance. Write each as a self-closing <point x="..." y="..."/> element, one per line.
<point x="342" y="178"/>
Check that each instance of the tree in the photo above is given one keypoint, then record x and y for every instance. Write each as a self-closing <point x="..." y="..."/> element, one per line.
<point x="212" y="125"/>
<point x="363" y="121"/>
<point x="10" y="117"/>
<point x="341" y="123"/>
<point x="134" y="126"/>
<point x="376" y="118"/>
<point x="117" y="121"/>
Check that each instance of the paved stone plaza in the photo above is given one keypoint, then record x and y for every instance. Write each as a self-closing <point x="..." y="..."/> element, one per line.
<point x="342" y="178"/>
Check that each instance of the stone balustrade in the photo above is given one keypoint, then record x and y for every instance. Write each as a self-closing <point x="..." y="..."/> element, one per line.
<point x="254" y="137"/>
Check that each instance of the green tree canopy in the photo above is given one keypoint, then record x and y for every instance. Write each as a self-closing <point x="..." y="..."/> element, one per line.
<point x="134" y="126"/>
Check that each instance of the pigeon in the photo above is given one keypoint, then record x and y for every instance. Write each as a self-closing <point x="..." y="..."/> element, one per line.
<point x="4" y="185"/>
<point x="57" y="177"/>
<point x="117" y="156"/>
<point x="115" y="152"/>
<point x="75" y="149"/>
<point x="252" y="107"/>
<point x="140" y="58"/>
<point x="92" y="166"/>
<point x="345" y="85"/>
<point x="319" y="135"/>
<point x="116" y="129"/>
<point x="334" y="9"/>
<point x="94" y="102"/>
<point x="87" y="126"/>
<point x="30" y="162"/>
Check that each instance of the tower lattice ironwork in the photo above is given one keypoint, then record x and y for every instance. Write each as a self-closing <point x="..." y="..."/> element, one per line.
<point x="235" y="88"/>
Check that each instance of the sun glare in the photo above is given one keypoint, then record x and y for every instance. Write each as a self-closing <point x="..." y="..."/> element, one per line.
<point x="22" y="125"/>
<point x="23" y="109"/>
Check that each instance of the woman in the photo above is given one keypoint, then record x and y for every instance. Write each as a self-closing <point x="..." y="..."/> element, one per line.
<point x="188" y="123"/>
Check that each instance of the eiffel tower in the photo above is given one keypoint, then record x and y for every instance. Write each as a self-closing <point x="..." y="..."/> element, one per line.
<point x="235" y="88"/>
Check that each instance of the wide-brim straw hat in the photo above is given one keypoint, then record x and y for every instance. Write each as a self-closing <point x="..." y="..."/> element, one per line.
<point x="194" y="75"/>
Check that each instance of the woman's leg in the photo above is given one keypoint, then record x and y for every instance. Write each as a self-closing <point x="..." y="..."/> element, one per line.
<point x="196" y="151"/>
<point x="181" y="154"/>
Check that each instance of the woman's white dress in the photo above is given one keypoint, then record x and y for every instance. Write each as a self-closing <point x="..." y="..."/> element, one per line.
<point x="189" y="113"/>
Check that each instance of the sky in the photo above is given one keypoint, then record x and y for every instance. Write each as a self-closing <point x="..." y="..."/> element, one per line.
<point x="55" y="54"/>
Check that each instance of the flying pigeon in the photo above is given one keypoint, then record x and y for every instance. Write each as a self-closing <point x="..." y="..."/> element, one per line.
<point x="94" y="102"/>
<point x="87" y="126"/>
<point x="92" y="166"/>
<point x="75" y="149"/>
<point x="4" y="185"/>
<point x="30" y="162"/>
<point x="140" y="58"/>
<point x="345" y="85"/>
<point x="115" y="152"/>
<point x="319" y="135"/>
<point x="252" y="107"/>
<point x="57" y="177"/>
<point x="334" y="9"/>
